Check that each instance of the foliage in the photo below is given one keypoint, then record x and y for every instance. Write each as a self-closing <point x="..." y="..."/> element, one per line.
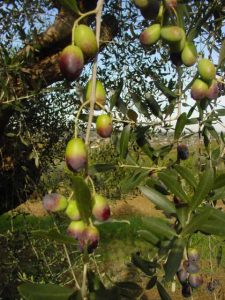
<point x="147" y="96"/>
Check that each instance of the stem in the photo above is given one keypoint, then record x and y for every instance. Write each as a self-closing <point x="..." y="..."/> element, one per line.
<point x="71" y="267"/>
<point x="220" y="81"/>
<point x="211" y="264"/>
<point x="84" y="284"/>
<point x="94" y="72"/>
<point x="68" y="259"/>
<point x="92" y="184"/>
<point x="77" y="117"/>
<point x="91" y="12"/>
<point x="175" y="13"/>
<point x="139" y="167"/>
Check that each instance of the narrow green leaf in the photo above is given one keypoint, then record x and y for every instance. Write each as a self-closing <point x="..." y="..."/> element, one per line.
<point x="181" y="122"/>
<point x="157" y="185"/>
<point x="114" y="100"/>
<point x="70" y="5"/>
<point x="196" y="221"/>
<point x="174" y="186"/>
<point x="141" y="106"/>
<point x="94" y="282"/>
<point x="204" y="187"/>
<point x="148" y="267"/>
<point x="192" y="121"/>
<point x="216" y="154"/>
<point x="124" y="140"/>
<point x="162" y="292"/>
<point x="213" y="132"/>
<point x="182" y="215"/>
<point x="164" y="150"/>
<point x="161" y="86"/>
<point x="131" y="182"/>
<point x="213" y="227"/>
<point x="34" y="291"/>
<point x="145" y="146"/>
<point x="159" y="227"/>
<point x="151" y="283"/>
<point x="221" y="112"/>
<point x="158" y="199"/>
<point x="101" y="168"/>
<point x="148" y="236"/>
<point x="217" y="194"/>
<point x="217" y="214"/>
<point x="219" y="181"/>
<point x="186" y="174"/>
<point x="83" y="197"/>
<point x="174" y="259"/>
<point x="154" y="107"/>
<point x="129" y="289"/>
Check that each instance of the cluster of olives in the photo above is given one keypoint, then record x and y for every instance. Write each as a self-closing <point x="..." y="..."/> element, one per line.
<point x="86" y="234"/>
<point x="188" y="273"/>
<point x="205" y="87"/>
<point x="181" y="50"/>
<point x="76" y="156"/>
<point x="71" y="60"/>
<point x="153" y="9"/>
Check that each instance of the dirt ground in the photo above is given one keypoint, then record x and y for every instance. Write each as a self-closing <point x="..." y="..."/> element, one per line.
<point x="132" y="205"/>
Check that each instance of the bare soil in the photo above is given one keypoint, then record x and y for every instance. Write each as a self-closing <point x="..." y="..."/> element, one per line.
<point x="132" y="205"/>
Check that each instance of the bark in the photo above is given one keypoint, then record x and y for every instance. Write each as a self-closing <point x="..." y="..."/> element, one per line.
<point x="41" y="68"/>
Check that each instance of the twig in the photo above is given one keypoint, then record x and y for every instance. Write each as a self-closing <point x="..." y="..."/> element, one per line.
<point x="94" y="70"/>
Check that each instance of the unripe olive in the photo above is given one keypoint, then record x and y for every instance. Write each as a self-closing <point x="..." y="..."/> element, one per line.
<point x="192" y="254"/>
<point x="141" y="4"/>
<point x="76" y="154"/>
<point x="150" y="35"/>
<point x="104" y="125"/>
<point x="77" y="229"/>
<point x="206" y="69"/>
<point x="100" y="93"/>
<point x="171" y="33"/>
<point x="72" y="210"/>
<point x="189" y="54"/>
<point x="71" y="62"/>
<point x="84" y="38"/>
<point x="100" y="209"/>
<point x="54" y="202"/>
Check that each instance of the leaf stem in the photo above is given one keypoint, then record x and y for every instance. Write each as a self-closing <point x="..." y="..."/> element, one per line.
<point x="77" y="118"/>
<point x="91" y="12"/>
